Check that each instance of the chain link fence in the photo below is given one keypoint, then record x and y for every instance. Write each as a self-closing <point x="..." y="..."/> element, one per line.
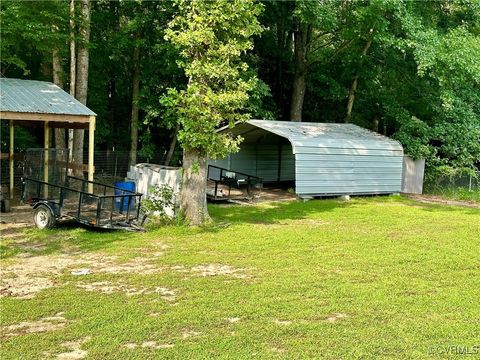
<point x="458" y="187"/>
<point x="470" y="182"/>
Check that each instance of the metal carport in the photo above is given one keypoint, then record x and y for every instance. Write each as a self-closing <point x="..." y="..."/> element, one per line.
<point x="322" y="158"/>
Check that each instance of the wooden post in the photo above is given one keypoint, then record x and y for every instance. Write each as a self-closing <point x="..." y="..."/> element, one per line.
<point x="46" y="144"/>
<point x="10" y="158"/>
<point x="91" y="146"/>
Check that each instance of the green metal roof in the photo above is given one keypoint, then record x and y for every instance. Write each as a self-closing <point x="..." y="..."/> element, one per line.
<point x="41" y="97"/>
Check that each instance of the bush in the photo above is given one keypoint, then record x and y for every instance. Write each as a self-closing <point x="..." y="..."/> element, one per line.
<point x="160" y="203"/>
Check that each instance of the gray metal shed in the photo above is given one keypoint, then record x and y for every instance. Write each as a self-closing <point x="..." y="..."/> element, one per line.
<point x="323" y="159"/>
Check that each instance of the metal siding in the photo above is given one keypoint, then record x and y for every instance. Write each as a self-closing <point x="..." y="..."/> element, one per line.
<point x="368" y="173"/>
<point x="349" y="151"/>
<point x="244" y="161"/>
<point x="287" y="170"/>
<point x="267" y="161"/>
<point x="223" y="163"/>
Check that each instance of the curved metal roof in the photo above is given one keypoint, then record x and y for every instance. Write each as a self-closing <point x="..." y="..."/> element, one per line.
<point x="41" y="97"/>
<point x="309" y="134"/>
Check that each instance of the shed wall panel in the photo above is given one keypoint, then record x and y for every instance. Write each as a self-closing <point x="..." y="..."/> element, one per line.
<point x="337" y="171"/>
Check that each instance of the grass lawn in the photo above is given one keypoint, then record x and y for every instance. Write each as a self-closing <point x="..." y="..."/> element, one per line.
<point x="371" y="278"/>
<point x="456" y="193"/>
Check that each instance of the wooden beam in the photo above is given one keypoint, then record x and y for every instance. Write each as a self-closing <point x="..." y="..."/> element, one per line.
<point x="70" y="165"/>
<point x="10" y="161"/>
<point x="66" y="125"/>
<point x="46" y="144"/>
<point x="10" y="115"/>
<point x="91" y="147"/>
<point x="16" y="156"/>
<point x="53" y="124"/>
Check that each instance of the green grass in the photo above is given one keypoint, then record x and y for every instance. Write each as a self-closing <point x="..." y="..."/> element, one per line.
<point x="405" y="277"/>
<point x="455" y="193"/>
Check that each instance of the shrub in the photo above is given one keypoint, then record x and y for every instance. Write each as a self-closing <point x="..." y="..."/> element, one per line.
<point x="160" y="203"/>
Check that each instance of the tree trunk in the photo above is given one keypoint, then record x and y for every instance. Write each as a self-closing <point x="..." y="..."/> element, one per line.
<point x="376" y="122"/>
<point x="351" y="98"/>
<point x="173" y="143"/>
<point x="57" y="75"/>
<point x="193" y="198"/>
<point x="301" y="37"/>
<point x="298" y="95"/>
<point x="135" y="93"/>
<point x="353" y="87"/>
<point x="81" y="88"/>
<point x="73" y="71"/>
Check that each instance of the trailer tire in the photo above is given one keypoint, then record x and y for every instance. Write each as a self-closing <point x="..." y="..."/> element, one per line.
<point x="43" y="217"/>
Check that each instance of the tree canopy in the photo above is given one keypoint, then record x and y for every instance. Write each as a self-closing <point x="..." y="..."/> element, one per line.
<point x="407" y="69"/>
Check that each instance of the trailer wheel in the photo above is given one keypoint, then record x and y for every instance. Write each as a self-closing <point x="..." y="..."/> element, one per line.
<point x="43" y="217"/>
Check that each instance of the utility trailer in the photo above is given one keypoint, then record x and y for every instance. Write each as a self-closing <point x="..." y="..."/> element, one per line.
<point x="57" y="195"/>
<point x="224" y="179"/>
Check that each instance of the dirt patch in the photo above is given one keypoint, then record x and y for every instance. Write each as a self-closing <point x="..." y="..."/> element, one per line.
<point x="278" y="350"/>
<point x="149" y="344"/>
<point x="335" y="317"/>
<point x="433" y="199"/>
<point x="233" y="320"/>
<point x="107" y="287"/>
<point x="75" y="350"/>
<point x="32" y="274"/>
<point x="219" y="270"/>
<point x="189" y="333"/>
<point x="20" y="216"/>
<point x="111" y="265"/>
<point x="46" y="324"/>
<point x="282" y="322"/>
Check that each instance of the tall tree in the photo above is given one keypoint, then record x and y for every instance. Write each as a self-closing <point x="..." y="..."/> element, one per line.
<point x="315" y="28"/>
<point x="302" y="35"/>
<point x="353" y="87"/>
<point x="81" y="88"/>
<point x="211" y="37"/>
<point x="135" y="99"/>
<point x="58" y="79"/>
<point x="73" y="68"/>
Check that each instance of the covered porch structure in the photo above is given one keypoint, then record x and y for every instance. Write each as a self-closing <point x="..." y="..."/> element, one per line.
<point x="39" y="103"/>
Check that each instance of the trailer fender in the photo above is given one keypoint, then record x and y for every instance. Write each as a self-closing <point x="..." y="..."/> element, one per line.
<point x="52" y="206"/>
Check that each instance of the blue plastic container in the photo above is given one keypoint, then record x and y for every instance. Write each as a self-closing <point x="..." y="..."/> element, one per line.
<point x="123" y="205"/>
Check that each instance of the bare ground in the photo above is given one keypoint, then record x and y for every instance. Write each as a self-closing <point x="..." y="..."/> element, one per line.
<point x="434" y="199"/>
<point x="31" y="274"/>
<point x="46" y="324"/>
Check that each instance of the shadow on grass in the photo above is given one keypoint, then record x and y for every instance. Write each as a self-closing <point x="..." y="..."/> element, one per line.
<point x="67" y="237"/>
<point x="272" y="213"/>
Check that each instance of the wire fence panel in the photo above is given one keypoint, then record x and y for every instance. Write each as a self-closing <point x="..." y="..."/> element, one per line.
<point x="462" y="181"/>
<point x="110" y="165"/>
<point x="113" y="165"/>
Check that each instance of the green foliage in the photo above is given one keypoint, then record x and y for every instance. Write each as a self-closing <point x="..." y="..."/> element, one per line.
<point x="446" y="53"/>
<point x="418" y="82"/>
<point x="414" y="134"/>
<point x="159" y="203"/>
<point x="23" y="138"/>
<point x="211" y="38"/>
<point x="29" y="28"/>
